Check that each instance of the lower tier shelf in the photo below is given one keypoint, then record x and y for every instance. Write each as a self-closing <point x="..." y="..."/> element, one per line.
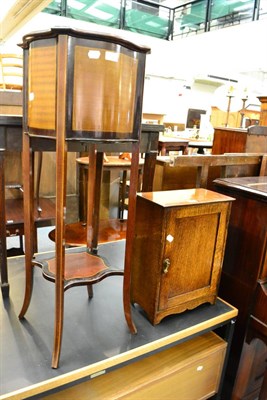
<point x="110" y="230"/>
<point x="81" y="268"/>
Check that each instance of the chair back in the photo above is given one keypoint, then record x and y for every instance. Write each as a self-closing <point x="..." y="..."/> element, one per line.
<point x="11" y="71"/>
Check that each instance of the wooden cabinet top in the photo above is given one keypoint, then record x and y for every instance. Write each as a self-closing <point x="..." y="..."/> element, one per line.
<point x="230" y="129"/>
<point x="186" y="197"/>
<point x="254" y="187"/>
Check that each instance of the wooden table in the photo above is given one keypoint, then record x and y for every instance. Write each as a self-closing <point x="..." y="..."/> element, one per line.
<point x="201" y="145"/>
<point x="109" y="229"/>
<point x="111" y="163"/>
<point x="167" y="144"/>
<point x="11" y="139"/>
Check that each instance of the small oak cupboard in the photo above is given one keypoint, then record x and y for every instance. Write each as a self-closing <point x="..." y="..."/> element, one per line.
<point x="178" y="250"/>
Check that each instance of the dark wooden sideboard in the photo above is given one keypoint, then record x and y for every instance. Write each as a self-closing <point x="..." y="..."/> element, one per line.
<point x="236" y="140"/>
<point x="244" y="277"/>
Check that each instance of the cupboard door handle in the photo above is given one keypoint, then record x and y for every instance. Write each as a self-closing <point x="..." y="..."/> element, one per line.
<point x="166" y="265"/>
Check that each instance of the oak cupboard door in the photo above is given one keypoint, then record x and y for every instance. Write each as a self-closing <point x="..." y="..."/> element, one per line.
<point x="194" y="252"/>
<point x="178" y="250"/>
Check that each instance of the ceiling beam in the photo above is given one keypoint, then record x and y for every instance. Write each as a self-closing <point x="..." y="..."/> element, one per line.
<point x="20" y="13"/>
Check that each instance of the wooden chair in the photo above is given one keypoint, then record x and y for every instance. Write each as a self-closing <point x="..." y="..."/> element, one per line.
<point x="44" y="211"/>
<point x="92" y="101"/>
<point x="11" y="71"/>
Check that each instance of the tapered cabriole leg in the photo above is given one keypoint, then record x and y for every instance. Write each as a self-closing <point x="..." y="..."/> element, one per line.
<point x="28" y="185"/>
<point x="130" y="237"/>
<point x="61" y="184"/>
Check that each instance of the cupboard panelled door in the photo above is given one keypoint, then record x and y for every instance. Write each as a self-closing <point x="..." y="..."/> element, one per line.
<point x="179" y="247"/>
<point x="193" y="246"/>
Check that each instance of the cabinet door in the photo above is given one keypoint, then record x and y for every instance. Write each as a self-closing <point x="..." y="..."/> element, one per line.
<point x="194" y="246"/>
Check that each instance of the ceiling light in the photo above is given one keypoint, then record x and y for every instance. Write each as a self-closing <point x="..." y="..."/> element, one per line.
<point x="76" y="4"/>
<point x="98" y="13"/>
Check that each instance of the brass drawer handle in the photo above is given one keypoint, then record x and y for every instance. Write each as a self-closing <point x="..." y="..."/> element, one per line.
<point x="166" y="265"/>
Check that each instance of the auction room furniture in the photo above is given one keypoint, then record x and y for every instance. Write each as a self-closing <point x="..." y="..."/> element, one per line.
<point x="115" y="229"/>
<point x="263" y="112"/>
<point x="244" y="275"/>
<point x="11" y="210"/>
<point x="185" y="232"/>
<point x="11" y="102"/>
<point x="190" y="171"/>
<point x="201" y="145"/>
<point x="251" y="377"/>
<point x="167" y="144"/>
<point x="111" y="164"/>
<point x="11" y="71"/>
<point x="93" y="94"/>
<point x="234" y="140"/>
<point x="11" y="139"/>
<point x="110" y="229"/>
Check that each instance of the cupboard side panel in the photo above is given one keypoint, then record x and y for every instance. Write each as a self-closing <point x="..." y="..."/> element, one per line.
<point x="148" y="249"/>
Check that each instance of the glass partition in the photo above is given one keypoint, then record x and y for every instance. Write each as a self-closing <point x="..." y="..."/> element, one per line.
<point x="262" y="10"/>
<point x="227" y="13"/>
<point x="149" y="19"/>
<point x="160" y="18"/>
<point x="190" y="18"/>
<point x="54" y="7"/>
<point x="100" y="12"/>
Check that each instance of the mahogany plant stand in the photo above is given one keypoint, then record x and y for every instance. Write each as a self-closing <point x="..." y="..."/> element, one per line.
<point x="80" y="87"/>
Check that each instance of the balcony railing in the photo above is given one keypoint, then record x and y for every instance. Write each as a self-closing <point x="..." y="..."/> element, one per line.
<point x="154" y="19"/>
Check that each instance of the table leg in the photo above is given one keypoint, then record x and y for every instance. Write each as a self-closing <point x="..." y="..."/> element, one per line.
<point x="163" y="150"/>
<point x="149" y="170"/>
<point x="200" y="150"/>
<point x="122" y="192"/>
<point x="97" y="197"/>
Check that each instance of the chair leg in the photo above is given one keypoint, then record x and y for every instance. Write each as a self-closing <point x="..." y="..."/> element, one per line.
<point x="97" y="196"/>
